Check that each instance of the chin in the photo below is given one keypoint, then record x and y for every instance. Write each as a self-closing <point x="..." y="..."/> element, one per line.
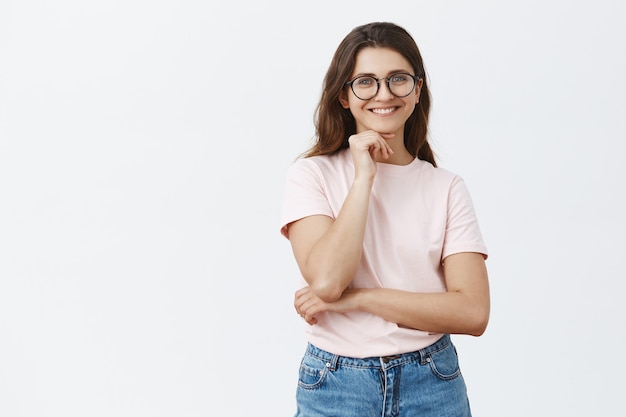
<point x="382" y="129"/>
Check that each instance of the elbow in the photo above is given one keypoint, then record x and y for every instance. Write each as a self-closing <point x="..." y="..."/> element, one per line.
<point x="478" y="329"/>
<point x="326" y="291"/>
<point x="478" y="322"/>
<point x="328" y="284"/>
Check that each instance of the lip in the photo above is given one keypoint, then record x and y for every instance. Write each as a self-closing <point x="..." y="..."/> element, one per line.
<point x="382" y="111"/>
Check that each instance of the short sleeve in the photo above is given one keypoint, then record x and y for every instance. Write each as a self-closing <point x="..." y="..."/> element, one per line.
<point x="304" y="194"/>
<point x="462" y="229"/>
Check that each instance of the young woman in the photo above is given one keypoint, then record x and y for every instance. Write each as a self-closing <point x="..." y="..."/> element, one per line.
<point x="388" y="244"/>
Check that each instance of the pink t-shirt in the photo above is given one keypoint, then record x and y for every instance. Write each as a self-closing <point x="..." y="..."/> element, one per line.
<point x="418" y="215"/>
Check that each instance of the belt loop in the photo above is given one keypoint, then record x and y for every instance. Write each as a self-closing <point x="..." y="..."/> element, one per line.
<point x="421" y="356"/>
<point x="435" y="347"/>
<point x="332" y="363"/>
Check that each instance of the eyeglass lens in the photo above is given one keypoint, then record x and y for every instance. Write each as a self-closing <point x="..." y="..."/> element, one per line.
<point x="366" y="87"/>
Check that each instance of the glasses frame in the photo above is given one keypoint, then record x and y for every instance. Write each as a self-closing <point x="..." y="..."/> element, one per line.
<point x="416" y="78"/>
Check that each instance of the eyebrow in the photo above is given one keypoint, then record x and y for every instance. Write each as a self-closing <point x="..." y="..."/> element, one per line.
<point x="371" y="74"/>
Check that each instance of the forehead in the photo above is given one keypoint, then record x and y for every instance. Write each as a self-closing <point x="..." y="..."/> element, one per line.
<point x="380" y="61"/>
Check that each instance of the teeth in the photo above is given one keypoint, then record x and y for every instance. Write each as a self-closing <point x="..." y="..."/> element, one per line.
<point x="383" y="111"/>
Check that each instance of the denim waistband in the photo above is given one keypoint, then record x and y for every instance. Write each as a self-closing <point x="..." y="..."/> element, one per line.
<point x="379" y="361"/>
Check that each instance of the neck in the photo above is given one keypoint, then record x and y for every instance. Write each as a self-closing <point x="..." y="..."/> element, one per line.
<point x="399" y="157"/>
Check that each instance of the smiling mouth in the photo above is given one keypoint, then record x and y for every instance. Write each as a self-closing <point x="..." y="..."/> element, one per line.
<point x="384" y="111"/>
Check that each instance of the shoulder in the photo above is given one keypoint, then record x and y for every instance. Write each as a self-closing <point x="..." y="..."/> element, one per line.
<point x="438" y="175"/>
<point x="320" y="165"/>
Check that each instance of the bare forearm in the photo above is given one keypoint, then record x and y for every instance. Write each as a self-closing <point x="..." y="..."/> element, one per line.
<point x="334" y="259"/>
<point x="445" y="312"/>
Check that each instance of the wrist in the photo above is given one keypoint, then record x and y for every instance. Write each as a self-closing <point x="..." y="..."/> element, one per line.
<point x="358" y="298"/>
<point x="363" y="181"/>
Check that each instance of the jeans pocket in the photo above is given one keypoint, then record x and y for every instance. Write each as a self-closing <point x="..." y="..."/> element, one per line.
<point x="444" y="363"/>
<point x="313" y="372"/>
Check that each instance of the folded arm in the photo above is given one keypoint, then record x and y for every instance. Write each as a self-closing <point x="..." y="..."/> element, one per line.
<point x="463" y="309"/>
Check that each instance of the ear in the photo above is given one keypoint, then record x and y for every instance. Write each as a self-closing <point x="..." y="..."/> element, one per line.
<point x="418" y="89"/>
<point x="343" y="99"/>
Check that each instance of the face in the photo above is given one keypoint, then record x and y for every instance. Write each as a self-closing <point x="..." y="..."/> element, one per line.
<point x="383" y="113"/>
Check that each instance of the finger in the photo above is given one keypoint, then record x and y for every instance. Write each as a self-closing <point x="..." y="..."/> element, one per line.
<point x="302" y="291"/>
<point x="298" y="307"/>
<point x="300" y="294"/>
<point x="306" y="306"/>
<point x="298" y="302"/>
<point x="382" y="149"/>
<point x="309" y="317"/>
<point x="387" y="150"/>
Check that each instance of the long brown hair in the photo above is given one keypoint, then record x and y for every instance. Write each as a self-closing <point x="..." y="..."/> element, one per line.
<point x="334" y="124"/>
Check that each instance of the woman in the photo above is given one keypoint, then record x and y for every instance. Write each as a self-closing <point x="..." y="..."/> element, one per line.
<point x="388" y="244"/>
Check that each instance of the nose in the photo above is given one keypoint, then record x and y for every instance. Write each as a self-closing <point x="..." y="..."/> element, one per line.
<point x="383" y="93"/>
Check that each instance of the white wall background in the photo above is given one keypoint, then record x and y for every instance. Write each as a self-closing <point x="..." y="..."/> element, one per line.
<point x="143" y="147"/>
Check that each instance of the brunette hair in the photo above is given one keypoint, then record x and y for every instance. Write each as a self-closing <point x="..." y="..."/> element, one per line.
<point x="334" y="124"/>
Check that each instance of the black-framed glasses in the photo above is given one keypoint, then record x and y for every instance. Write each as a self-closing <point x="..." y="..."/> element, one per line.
<point x="365" y="87"/>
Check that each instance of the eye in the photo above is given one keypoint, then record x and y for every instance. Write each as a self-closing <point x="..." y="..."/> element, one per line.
<point x="399" y="78"/>
<point x="364" y="82"/>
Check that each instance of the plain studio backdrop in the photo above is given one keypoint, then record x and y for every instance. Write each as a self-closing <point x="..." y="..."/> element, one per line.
<point x="143" y="150"/>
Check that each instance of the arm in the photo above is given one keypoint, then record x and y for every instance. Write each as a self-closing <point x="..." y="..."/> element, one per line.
<point x="463" y="309"/>
<point x="328" y="252"/>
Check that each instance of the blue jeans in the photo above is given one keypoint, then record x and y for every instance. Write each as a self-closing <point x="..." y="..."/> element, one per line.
<point x="425" y="383"/>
